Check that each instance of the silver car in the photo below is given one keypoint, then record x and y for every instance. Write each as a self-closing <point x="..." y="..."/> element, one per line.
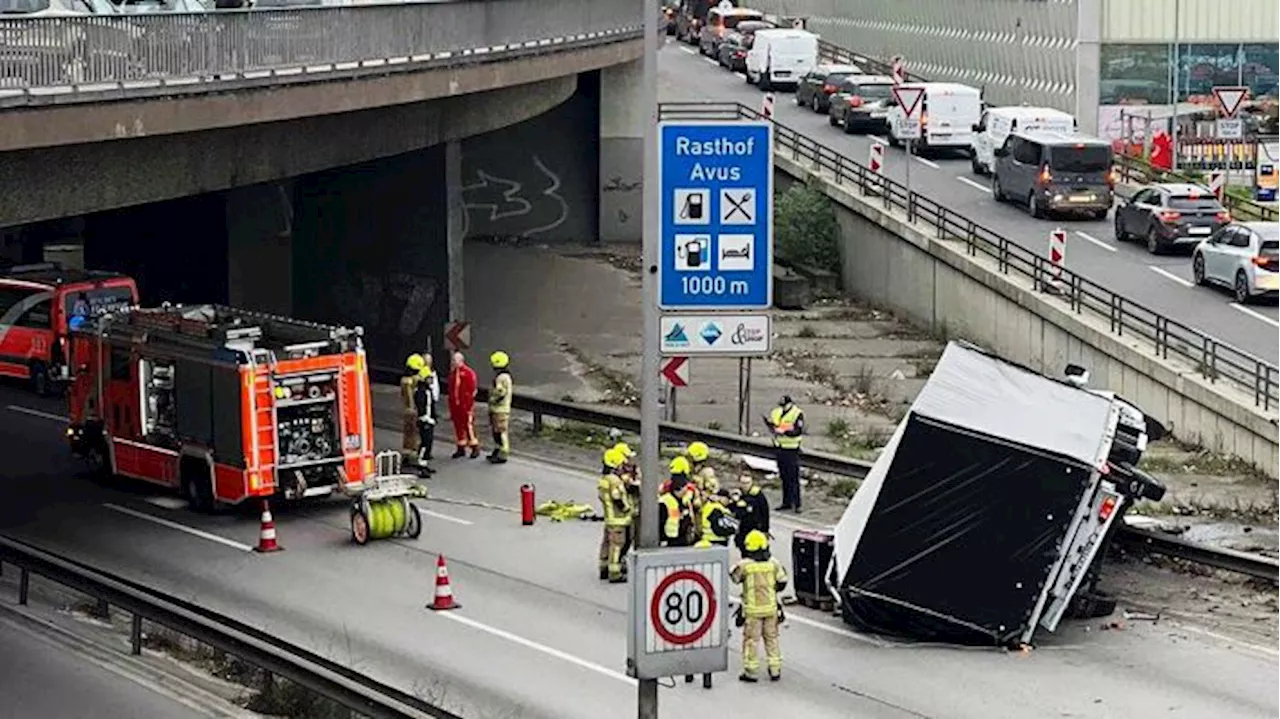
<point x="1243" y="256"/>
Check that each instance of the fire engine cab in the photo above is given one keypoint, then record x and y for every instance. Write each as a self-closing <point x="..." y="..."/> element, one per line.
<point x="39" y="304"/>
<point x="223" y="404"/>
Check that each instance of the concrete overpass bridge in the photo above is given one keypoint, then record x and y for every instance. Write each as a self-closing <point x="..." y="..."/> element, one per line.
<point x="323" y="161"/>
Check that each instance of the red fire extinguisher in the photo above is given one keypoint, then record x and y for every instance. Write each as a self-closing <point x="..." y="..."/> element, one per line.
<point x="527" y="513"/>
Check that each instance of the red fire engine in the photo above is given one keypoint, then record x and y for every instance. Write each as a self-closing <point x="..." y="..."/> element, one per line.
<point x="222" y="403"/>
<point x="38" y="306"/>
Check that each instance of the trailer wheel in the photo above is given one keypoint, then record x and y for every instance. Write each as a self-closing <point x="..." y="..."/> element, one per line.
<point x="359" y="526"/>
<point x="413" y="527"/>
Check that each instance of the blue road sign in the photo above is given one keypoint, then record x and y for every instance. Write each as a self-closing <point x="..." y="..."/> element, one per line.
<point x="717" y="215"/>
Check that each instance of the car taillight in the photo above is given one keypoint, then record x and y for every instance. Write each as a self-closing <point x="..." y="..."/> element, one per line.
<point x="739" y="54"/>
<point x="1222" y="216"/>
<point x="1108" y="506"/>
<point x="924" y="118"/>
<point x="1168" y="216"/>
<point x="828" y="89"/>
<point x="1111" y="178"/>
<point x="1264" y="261"/>
<point x="1045" y="175"/>
<point x="855" y="101"/>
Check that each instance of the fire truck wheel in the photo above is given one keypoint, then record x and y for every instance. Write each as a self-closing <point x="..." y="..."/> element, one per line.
<point x="413" y="529"/>
<point x="359" y="526"/>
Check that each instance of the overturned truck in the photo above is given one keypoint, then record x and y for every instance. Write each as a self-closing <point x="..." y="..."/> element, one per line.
<point x="987" y="512"/>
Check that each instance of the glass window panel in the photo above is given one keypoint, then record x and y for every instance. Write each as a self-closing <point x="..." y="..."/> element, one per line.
<point x="1134" y="74"/>
<point x="1202" y="67"/>
<point x="1261" y="69"/>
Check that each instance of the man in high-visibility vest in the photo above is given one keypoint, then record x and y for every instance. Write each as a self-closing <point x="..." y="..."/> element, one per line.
<point x="716" y="523"/>
<point x="786" y="422"/>
<point x="761" y="577"/>
<point x="616" y="506"/>
<point x="500" y="406"/>
<point x="409" y="441"/>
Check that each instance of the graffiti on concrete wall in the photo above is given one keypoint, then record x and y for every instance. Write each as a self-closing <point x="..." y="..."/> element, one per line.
<point x="514" y="202"/>
<point x="620" y="192"/>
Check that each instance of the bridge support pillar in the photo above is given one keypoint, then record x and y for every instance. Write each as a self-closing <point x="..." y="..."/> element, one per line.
<point x="622" y="120"/>
<point x="260" y="247"/>
<point x="457" y="227"/>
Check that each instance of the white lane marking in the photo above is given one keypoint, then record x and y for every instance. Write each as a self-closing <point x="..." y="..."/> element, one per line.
<point x="791" y="616"/>
<point x="1265" y="651"/>
<point x="1094" y="240"/>
<point x="688" y="49"/>
<point x="712" y="61"/>
<point x="879" y="139"/>
<point x="168" y="502"/>
<point x="445" y="517"/>
<point x="529" y="643"/>
<point x="1255" y="314"/>
<point x="930" y="163"/>
<point x="180" y="527"/>
<point x="740" y="75"/>
<point x="975" y="185"/>
<point x="37" y="413"/>
<point x="1169" y="275"/>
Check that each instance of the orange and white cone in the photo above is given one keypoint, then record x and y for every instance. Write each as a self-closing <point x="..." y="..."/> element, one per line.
<point x="267" y="534"/>
<point x="444" y="592"/>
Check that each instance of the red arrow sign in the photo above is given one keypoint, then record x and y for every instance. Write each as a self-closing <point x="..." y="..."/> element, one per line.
<point x="458" y="335"/>
<point x="676" y="371"/>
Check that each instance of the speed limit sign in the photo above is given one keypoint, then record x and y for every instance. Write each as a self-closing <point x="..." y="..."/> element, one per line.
<point x="678" y="612"/>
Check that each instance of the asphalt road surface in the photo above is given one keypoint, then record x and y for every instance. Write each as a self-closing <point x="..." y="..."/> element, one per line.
<point x="539" y="636"/>
<point x="41" y="678"/>
<point x="1161" y="283"/>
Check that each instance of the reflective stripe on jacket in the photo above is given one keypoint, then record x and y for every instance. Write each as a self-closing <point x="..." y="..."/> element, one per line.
<point x="500" y="394"/>
<point x="761" y="582"/>
<point x="670" y="517"/>
<point x="614" y="500"/>
<point x="710" y="522"/>
<point x="786" y="422"/>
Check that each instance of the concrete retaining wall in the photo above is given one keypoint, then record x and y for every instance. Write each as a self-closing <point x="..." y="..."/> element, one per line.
<point x="935" y="285"/>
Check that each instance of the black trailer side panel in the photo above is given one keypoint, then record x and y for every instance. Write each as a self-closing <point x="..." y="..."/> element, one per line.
<point x="194" y="410"/>
<point x="962" y="537"/>
<point x="228" y="437"/>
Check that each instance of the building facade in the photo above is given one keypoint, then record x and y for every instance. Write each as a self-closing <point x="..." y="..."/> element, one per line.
<point x="1087" y="57"/>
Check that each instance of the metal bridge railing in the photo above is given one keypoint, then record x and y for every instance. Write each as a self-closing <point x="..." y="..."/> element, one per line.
<point x="1216" y="361"/>
<point x="50" y="56"/>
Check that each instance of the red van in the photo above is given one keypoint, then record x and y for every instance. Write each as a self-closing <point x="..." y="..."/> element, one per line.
<point x="39" y="304"/>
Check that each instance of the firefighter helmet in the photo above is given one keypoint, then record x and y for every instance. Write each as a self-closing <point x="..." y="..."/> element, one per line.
<point x="415" y="362"/>
<point x="680" y="465"/>
<point x="613" y="458"/>
<point x="756" y="541"/>
<point x="499" y="360"/>
<point x="698" y="451"/>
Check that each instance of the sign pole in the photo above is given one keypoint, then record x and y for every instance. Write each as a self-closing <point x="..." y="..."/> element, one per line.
<point x="746" y="400"/>
<point x="742" y="412"/>
<point x="910" y="147"/>
<point x="672" y="404"/>
<point x="647" y="539"/>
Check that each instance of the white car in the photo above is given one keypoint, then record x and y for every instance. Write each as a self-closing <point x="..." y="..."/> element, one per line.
<point x="1243" y="256"/>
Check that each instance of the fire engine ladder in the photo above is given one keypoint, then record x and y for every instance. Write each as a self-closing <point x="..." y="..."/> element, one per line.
<point x="262" y="411"/>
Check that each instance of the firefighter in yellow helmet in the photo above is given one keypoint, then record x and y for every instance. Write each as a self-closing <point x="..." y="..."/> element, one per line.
<point x="409" y="442"/>
<point x="674" y="518"/>
<point x="500" y="393"/>
<point x="699" y="453"/>
<point x="630" y="474"/>
<point x="761" y="577"/>
<point x="617" y="509"/>
<point x="716" y="523"/>
<point x="424" y="402"/>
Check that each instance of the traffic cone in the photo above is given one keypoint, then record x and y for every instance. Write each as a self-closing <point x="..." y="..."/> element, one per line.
<point x="267" y="534"/>
<point x="444" y="593"/>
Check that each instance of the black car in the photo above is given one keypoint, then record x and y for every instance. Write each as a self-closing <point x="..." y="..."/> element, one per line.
<point x="733" y="52"/>
<point x="816" y="88"/>
<point x="1169" y="215"/>
<point x="861" y="104"/>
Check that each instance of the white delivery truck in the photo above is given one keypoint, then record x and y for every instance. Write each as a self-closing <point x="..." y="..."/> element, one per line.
<point x="947" y="113"/>
<point x="998" y="122"/>
<point x="781" y="57"/>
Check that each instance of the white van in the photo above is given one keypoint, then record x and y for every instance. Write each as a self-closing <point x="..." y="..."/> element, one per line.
<point x="781" y="57"/>
<point x="998" y="122"/>
<point x="947" y="114"/>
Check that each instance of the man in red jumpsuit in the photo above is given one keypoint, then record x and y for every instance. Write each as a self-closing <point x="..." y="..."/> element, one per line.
<point x="462" y="402"/>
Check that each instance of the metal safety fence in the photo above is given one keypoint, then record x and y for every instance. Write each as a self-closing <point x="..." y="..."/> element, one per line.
<point x="54" y="56"/>
<point x="1131" y="169"/>
<point x="1167" y="338"/>
<point x="327" y="678"/>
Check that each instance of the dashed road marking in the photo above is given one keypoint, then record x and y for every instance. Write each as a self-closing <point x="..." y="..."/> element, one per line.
<point x="530" y="644"/>
<point x="975" y="185"/>
<point x="1254" y="314"/>
<point x="1169" y="275"/>
<point x="741" y="76"/>
<point x="838" y="631"/>
<point x="37" y="413"/>
<point x="446" y="517"/>
<point x="712" y="61"/>
<point x="167" y="502"/>
<point x="1090" y="238"/>
<point x="929" y="163"/>
<point x="179" y="527"/>
<point x="689" y="50"/>
<point x="879" y="139"/>
<point x="1255" y="648"/>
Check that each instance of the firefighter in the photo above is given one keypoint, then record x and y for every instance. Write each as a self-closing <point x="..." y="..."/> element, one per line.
<point x="751" y="509"/>
<point x="462" y="407"/>
<point x="673" y="520"/>
<point x="786" y="422"/>
<point x="630" y="475"/>
<point x="762" y="578"/>
<point x="431" y="380"/>
<point x="424" y="402"/>
<point x="500" y="407"/>
<point x="717" y="523"/>
<point x="698" y="454"/>
<point x="617" y="511"/>
<point x="409" y="425"/>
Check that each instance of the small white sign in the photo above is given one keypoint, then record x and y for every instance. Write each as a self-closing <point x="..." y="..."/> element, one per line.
<point x="1231" y="128"/>
<point x="909" y="129"/>
<point x="746" y="335"/>
<point x="693" y="253"/>
<point x="738" y="206"/>
<point x="735" y="253"/>
<point x="693" y="207"/>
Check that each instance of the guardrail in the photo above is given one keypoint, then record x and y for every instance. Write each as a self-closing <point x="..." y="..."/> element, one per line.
<point x="1130" y="167"/>
<point x="1213" y="359"/>
<point x="327" y="678"/>
<point x="1133" y="538"/>
<point x="53" y="57"/>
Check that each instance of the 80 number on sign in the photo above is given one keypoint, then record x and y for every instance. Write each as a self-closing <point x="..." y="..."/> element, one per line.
<point x="681" y="614"/>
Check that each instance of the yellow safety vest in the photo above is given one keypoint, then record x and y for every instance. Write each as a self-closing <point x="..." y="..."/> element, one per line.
<point x="671" y="516"/>
<point x="409" y="385"/>
<point x="614" y="500"/>
<point x="760" y="582"/>
<point x="785" y="422"/>
<point x="500" y="395"/>
<point x="709" y="535"/>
